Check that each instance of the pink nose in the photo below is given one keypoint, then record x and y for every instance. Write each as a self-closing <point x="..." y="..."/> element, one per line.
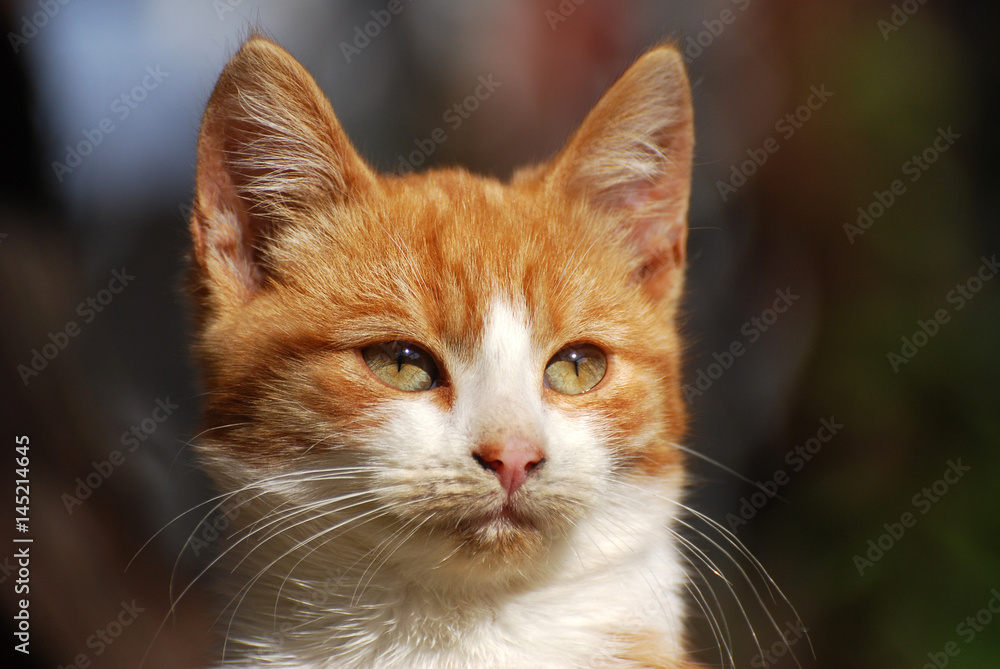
<point x="512" y="460"/>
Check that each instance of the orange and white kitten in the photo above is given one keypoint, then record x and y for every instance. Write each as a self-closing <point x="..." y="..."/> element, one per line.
<point x="448" y="407"/>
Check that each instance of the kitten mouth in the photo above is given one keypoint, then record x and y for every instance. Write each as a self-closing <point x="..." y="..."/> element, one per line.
<point x="504" y="531"/>
<point x="504" y="519"/>
<point x="509" y="516"/>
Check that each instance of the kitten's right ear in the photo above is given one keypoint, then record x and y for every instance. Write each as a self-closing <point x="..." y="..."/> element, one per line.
<point x="270" y="148"/>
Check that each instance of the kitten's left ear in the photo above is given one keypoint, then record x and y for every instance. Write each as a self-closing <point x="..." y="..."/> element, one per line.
<point x="631" y="157"/>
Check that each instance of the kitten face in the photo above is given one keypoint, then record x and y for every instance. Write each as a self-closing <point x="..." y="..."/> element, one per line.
<point x="449" y="375"/>
<point x="491" y="282"/>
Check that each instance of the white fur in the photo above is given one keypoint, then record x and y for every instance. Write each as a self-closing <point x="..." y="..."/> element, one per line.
<point x="417" y="603"/>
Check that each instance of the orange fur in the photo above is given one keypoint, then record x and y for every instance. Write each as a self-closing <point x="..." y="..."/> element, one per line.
<point x="302" y="255"/>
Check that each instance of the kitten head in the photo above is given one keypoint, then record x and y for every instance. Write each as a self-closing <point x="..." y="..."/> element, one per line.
<point x="441" y="369"/>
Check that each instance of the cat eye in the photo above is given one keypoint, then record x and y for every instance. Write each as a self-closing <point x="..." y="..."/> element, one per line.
<point x="576" y="369"/>
<point x="402" y="365"/>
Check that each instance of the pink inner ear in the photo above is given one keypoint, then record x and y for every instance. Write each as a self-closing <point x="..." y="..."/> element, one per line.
<point x="224" y="233"/>
<point x="225" y="256"/>
<point x="656" y="220"/>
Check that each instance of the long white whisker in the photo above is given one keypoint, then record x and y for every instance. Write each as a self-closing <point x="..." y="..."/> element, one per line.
<point x="731" y="540"/>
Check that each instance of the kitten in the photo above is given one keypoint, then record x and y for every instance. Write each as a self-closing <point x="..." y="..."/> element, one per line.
<point x="448" y="407"/>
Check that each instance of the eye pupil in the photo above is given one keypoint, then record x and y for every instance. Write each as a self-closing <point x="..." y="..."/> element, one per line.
<point x="402" y="365"/>
<point x="576" y="369"/>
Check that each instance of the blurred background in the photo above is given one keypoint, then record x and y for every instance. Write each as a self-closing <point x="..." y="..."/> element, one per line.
<point x="844" y="243"/>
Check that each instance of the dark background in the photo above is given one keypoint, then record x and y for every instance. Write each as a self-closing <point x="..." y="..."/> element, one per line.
<point x="826" y="357"/>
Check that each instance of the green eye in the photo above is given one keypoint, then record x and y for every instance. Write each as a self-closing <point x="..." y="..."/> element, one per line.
<point x="576" y="369"/>
<point x="402" y="365"/>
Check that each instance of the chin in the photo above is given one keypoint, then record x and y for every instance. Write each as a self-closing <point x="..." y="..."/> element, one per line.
<point x="506" y="546"/>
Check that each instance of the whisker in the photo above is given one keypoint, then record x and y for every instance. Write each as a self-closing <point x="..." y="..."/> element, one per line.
<point x="729" y="539"/>
<point x="728" y="470"/>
